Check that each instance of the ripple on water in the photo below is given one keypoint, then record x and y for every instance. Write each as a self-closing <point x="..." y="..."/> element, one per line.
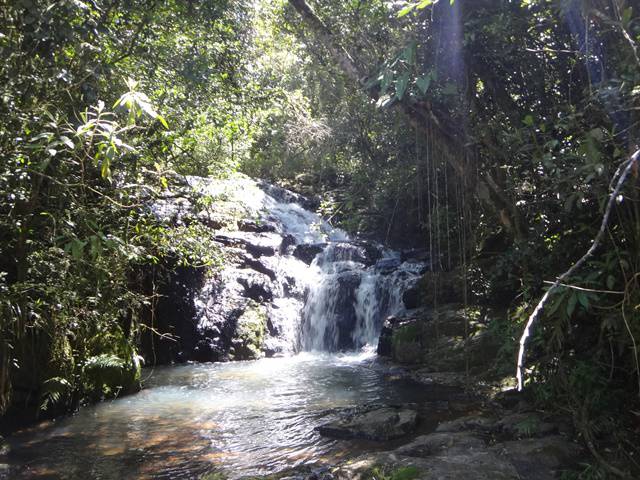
<point x="243" y="418"/>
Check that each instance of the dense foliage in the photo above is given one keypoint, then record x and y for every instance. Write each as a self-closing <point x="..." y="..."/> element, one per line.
<point x="84" y="151"/>
<point x="487" y="132"/>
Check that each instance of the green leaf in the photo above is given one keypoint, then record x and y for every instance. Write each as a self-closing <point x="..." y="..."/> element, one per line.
<point x="77" y="248"/>
<point x="424" y="4"/>
<point x="406" y="10"/>
<point x="528" y="120"/>
<point x="555" y="305"/>
<point x="105" y="171"/>
<point x="68" y="142"/>
<point x="409" y="53"/>
<point x="583" y="299"/>
<point x="401" y="85"/>
<point x="423" y="83"/>
<point x="387" y="78"/>
<point x="571" y="304"/>
<point x="162" y="121"/>
<point x="450" y="89"/>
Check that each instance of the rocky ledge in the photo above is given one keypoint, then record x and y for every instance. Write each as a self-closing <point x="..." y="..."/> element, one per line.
<point x="495" y="435"/>
<point x="373" y="422"/>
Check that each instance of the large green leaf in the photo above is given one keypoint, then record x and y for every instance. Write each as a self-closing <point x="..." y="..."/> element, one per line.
<point x="401" y="85"/>
<point x="423" y="83"/>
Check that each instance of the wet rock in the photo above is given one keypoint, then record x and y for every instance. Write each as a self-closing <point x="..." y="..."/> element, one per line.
<point x="528" y="424"/>
<point x="473" y="423"/>
<point x="415" y="255"/>
<point x="344" y="313"/>
<point x="308" y="251"/>
<point x="287" y="196"/>
<point x="373" y="251"/>
<point x="217" y="221"/>
<point x="250" y="332"/>
<point x="257" y="244"/>
<point x="378" y="423"/>
<point x="387" y="265"/>
<point x="256" y="286"/>
<point x="472" y="464"/>
<point x="259" y="266"/>
<point x="288" y="241"/>
<point x="345" y="251"/>
<point x="436" y="443"/>
<point x="256" y="226"/>
<point x="406" y="342"/>
<point x="448" y="379"/>
<point x="411" y="297"/>
<point x="386" y="335"/>
<point x="208" y="350"/>
<point x="539" y="458"/>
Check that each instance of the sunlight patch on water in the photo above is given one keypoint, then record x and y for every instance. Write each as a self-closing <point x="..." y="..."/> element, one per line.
<point x="244" y="418"/>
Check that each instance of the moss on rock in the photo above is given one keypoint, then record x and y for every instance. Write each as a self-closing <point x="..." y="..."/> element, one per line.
<point x="250" y="332"/>
<point x="406" y="343"/>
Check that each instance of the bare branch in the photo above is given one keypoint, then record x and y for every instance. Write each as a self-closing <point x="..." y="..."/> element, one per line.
<point x="625" y="169"/>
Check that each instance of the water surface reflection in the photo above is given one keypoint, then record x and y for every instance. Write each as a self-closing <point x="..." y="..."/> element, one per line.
<point x="240" y="418"/>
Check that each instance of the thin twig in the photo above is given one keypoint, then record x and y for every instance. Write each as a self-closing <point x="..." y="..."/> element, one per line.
<point x="625" y="169"/>
<point x="582" y="289"/>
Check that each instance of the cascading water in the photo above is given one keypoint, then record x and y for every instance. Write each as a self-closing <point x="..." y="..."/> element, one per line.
<point x="321" y="290"/>
<point x="318" y="289"/>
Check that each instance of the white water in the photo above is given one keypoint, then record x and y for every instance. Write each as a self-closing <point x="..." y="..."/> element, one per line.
<point x="339" y="302"/>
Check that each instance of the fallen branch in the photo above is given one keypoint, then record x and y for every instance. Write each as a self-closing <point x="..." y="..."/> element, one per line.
<point x="625" y="168"/>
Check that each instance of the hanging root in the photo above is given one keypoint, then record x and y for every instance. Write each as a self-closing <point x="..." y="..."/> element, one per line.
<point x="624" y="171"/>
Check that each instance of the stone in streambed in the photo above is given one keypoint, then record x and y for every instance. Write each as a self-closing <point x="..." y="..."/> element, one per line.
<point x="379" y="423"/>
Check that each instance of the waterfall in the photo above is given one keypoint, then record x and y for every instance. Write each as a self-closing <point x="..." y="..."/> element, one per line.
<point x="319" y="289"/>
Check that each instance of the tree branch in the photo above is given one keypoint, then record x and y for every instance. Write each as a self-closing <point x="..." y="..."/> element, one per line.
<point x="625" y="169"/>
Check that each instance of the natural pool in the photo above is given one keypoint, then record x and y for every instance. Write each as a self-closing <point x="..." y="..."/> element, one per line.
<point x="242" y="418"/>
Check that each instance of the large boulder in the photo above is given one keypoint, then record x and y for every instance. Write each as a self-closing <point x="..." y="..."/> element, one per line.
<point x="407" y="342"/>
<point x="372" y="423"/>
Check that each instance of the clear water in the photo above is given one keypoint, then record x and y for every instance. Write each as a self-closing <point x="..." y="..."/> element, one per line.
<point x="243" y="418"/>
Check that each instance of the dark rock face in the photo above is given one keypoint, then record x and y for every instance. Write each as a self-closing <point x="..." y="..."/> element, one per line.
<point x="307" y="252"/>
<point x="372" y="423"/>
<point x="385" y="347"/>
<point x="256" y="286"/>
<point x="345" y="313"/>
<point x="175" y="315"/>
<point x="256" y="226"/>
<point x="387" y="265"/>
<point x="411" y="297"/>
